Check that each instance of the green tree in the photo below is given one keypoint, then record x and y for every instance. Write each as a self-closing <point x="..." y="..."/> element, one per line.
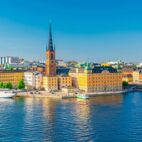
<point x="125" y="83"/>
<point x="1" y="84"/>
<point x="4" y="85"/>
<point x="21" y="85"/>
<point x="9" y="85"/>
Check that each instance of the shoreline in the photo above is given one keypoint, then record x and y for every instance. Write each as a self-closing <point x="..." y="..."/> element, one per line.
<point x="61" y="95"/>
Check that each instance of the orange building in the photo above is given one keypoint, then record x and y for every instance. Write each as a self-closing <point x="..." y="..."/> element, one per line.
<point x="50" y="57"/>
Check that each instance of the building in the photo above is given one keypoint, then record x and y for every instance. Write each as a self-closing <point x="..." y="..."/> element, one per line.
<point x="97" y="79"/>
<point x="51" y="81"/>
<point x="137" y="76"/>
<point x="127" y="70"/>
<point x="64" y="81"/>
<point x="127" y="74"/>
<point x="127" y="78"/>
<point x="9" y="60"/>
<point x="33" y="79"/>
<point x="50" y="57"/>
<point x="11" y="76"/>
<point x="62" y="70"/>
<point x="61" y="63"/>
<point x="38" y="81"/>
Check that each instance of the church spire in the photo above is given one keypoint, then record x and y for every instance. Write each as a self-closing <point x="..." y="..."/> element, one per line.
<point x="50" y="42"/>
<point x="54" y="47"/>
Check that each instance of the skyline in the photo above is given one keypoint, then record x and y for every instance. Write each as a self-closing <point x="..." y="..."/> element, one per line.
<point x="110" y="30"/>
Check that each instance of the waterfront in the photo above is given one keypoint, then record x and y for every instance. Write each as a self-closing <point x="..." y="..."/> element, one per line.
<point x="100" y="119"/>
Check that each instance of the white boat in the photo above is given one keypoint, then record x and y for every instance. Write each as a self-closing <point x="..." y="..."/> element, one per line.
<point x="82" y="96"/>
<point x="7" y="94"/>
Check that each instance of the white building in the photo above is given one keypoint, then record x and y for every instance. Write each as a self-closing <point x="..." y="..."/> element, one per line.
<point x="9" y="60"/>
<point x="32" y="79"/>
<point x="38" y="80"/>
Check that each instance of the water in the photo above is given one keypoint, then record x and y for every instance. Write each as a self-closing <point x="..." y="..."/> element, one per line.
<point x="102" y="119"/>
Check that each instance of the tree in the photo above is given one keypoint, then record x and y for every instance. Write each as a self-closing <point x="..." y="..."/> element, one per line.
<point x="9" y="85"/>
<point x="1" y="84"/>
<point x="21" y="85"/>
<point x="4" y="85"/>
<point x="125" y="83"/>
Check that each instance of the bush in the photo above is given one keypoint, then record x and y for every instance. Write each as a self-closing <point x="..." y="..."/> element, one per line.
<point x="9" y="85"/>
<point x="125" y="83"/>
<point x="6" y="85"/>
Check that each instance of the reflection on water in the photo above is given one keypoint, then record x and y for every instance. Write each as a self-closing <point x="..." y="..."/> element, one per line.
<point x="99" y="119"/>
<point x="112" y="99"/>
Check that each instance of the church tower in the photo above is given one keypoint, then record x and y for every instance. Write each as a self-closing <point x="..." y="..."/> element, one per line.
<point x="50" y="56"/>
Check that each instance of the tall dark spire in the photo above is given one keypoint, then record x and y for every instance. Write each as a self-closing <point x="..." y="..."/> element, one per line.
<point x="50" y="42"/>
<point x="54" y="47"/>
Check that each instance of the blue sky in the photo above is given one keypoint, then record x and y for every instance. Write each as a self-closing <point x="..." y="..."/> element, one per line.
<point x="94" y="30"/>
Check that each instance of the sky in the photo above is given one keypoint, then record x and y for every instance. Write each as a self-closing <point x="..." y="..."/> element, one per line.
<point x="94" y="30"/>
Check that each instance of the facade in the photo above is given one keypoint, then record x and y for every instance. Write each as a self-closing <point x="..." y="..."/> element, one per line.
<point x="9" y="60"/>
<point x="29" y="80"/>
<point x="98" y="79"/>
<point x="33" y="79"/>
<point x="137" y="76"/>
<point x="50" y="83"/>
<point x="127" y="74"/>
<point x="11" y="76"/>
<point x="64" y="82"/>
<point x="38" y="81"/>
<point x="128" y="78"/>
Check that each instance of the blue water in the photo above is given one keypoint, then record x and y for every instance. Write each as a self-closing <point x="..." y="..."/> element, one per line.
<point x="116" y="118"/>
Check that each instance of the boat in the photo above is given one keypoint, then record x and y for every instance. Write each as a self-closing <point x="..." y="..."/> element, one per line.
<point x="7" y="94"/>
<point x="82" y="96"/>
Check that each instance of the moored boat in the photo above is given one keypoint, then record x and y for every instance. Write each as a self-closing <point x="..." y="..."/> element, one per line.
<point x="82" y="96"/>
<point x="7" y="94"/>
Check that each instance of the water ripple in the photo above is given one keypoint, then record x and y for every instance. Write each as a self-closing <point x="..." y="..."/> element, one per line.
<point x="101" y="119"/>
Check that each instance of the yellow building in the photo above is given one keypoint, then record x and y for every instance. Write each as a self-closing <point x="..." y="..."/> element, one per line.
<point x="99" y="79"/>
<point x="137" y="76"/>
<point x="50" y="83"/>
<point x="64" y="81"/>
<point x="128" y="78"/>
<point x="11" y="76"/>
<point x="105" y="64"/>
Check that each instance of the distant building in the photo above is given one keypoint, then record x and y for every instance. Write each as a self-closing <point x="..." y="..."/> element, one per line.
<point x="9" y="60"/>
<point x="61" y="63"/>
